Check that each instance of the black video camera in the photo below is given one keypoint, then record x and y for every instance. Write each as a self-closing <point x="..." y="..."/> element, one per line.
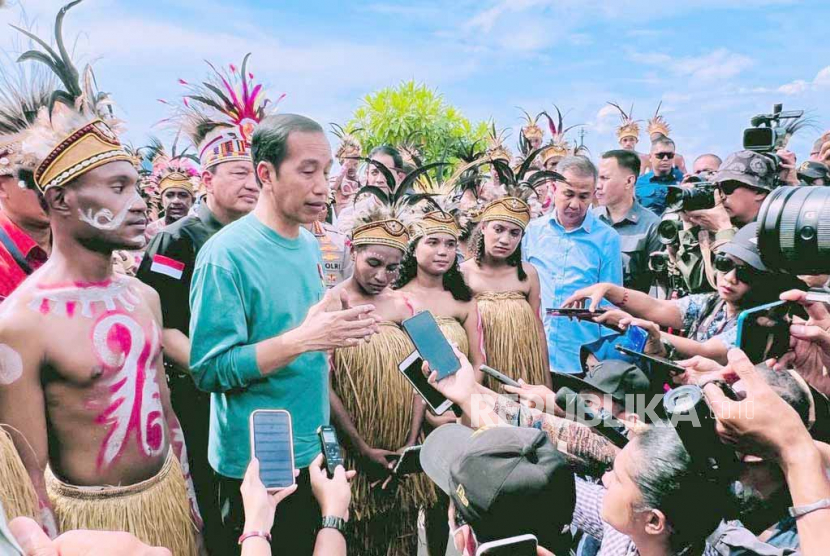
<point x="766" y="134"/>
<point x="699" y="197"/>
<point x="658" y="262"/>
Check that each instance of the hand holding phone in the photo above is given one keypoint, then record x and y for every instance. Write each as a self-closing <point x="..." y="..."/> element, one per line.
<point x="431" y="344"/>
<point x="412" y="369"/>
<point x="764" y="331"/>
<point x="667" y="364"/>
<point x="409" y="462"/>
<point x="503" y="378"/>
<point x="330" y="448"/>
<point x="576" y="312"/>
<point x="272" y="444"/>
<point x="522" y="545"/>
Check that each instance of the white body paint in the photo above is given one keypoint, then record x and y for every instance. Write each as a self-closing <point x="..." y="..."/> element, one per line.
<point x="119" y="291"/>
<point x="11" y="365"/>
<point x="125" y="384"/>
<point x="103" y="219"/>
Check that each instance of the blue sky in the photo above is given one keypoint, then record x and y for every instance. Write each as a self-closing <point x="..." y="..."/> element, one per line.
<point x="713" y="63"/>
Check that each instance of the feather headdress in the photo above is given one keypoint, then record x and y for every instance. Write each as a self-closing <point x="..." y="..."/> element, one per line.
<point x="558" y="145"/>
<point x="495" y="145"/>
<point x="24" y="90"/>
<point x="177" y="169"/>
<point x="77" y="131"/>
<point x="628" y="126"/>
<point x="349" y="144"/>
<point x="220" y="114"/>
<point x="380" y="226"/>
<point x="530" y="131"/>
<point x="658" y="124"/>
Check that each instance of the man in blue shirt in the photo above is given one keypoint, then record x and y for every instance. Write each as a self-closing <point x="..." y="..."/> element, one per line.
<point x="651" y="187"/>
<point x="571" y="248"/>
<point x="260" y="325"/>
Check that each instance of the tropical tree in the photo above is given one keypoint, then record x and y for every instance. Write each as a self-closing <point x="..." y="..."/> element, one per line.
<point x="417" y="118"/>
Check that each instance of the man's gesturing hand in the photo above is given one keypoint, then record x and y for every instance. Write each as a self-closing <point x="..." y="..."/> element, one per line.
<point x="333" y="324"/>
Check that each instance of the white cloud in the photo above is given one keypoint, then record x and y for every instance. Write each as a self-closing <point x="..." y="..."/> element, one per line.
<point x="716" y="65"/>
<point x="800" y="86"/>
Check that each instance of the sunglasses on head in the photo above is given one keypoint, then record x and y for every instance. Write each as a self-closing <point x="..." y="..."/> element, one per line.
<point x="744" y="273"/>
<point x="664" y="156"/>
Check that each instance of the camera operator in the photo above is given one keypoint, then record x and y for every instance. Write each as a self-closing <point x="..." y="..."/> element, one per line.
<point x="648" y="503"/>
<point x="708" y="319"/>
<point x="777" y="433"/>
<point x="813" y="173"/>
<point x="744" y="180"/>
<point x="502" y="482"/>
<point x="651" y="187"/>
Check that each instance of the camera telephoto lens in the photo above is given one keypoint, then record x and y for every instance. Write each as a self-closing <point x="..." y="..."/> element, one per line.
<point x="668" y="230"/>
<point x="794" y="230"/>
<point x="658" y="262"/>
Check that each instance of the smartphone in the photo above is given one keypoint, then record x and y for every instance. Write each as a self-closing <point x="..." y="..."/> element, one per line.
<point x="634" y="338"/>
<point x="411" y="369"/>
<point x="523" y="545"/>
<point x="764" y="331"/>
<point x="409" y="462"/>
<point x="672" y="367"/>
<point x="273" y="445"/>
<point x="503" y="378"/>
<point x="431" y="344"/>
<point x="332" y="456"/>
<point x="575" y="312"/>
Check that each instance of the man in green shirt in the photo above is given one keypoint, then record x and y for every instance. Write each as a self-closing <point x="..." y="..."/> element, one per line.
<point x="260" y="324"/>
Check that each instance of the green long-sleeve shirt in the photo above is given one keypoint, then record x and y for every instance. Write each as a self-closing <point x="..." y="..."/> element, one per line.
<point x="251" y="284"/>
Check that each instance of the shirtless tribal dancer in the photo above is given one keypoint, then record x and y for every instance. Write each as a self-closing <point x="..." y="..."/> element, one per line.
<point x="80" y="348"/>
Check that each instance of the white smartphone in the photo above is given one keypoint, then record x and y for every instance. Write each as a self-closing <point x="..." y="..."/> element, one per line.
<point x="523" y="545"/>
<point x="411" y="367"/>
<point x="272" y="444"/>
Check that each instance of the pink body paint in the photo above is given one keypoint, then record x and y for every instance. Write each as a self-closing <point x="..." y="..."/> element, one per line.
<point x="409" y="305"/>
<point x="128" y="357"/>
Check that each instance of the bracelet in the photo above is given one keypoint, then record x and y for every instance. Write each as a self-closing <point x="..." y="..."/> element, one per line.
<point x="798" y="511"/>
<point x="261" y="534"/>
<point x="622" y="303"/>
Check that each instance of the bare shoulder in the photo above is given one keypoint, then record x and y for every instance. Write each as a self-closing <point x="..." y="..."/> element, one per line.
<point x="146" y="293"/>
<point x="530" y="270"/>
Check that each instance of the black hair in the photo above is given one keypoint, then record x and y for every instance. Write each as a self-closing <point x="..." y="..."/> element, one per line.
<point x="389" y="150"/>
<point x="515" y="258"/>
<point x="669" y="481"/>
<point x="270" y="140"/>
<point x="452" y="280"/>
<point x="663" y="140"/>
<point x="625" y="159"/>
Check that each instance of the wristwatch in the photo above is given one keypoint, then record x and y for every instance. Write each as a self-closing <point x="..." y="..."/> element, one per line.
<point x="332" y="522"/>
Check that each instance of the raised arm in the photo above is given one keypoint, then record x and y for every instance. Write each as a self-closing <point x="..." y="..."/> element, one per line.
<point x="222" y="356"/>
<point x="638" y="304"/>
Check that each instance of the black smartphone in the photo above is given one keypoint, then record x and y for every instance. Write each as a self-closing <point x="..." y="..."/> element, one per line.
<point x="273" y="445"/>
<point x="523" y="545"/>
<point x="431" y="344"/>
<point x="332" y="456"/>
<point x="575" y="312"/>
<point x="764" y="331"/>
<point x="409" y="462"/>
<point x="672" y="367"/>
<point x="501" y="377"/>
<point x="411" y="367"/>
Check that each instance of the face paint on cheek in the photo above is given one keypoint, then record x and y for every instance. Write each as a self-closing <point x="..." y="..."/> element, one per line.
<point x="104" y="220"/>
<point x="11" y="365"/>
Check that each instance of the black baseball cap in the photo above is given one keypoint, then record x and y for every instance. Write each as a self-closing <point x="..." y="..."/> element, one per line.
<point x="744" y="245"/>
<point x="504" y="481"/>
<point x="614" y="377"/>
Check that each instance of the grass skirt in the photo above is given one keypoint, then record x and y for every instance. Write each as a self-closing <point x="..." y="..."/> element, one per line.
<point x="16" y="491"/>
<point x="156" y="510"/>
<point x="511" y="338"/>
<point x="379" y="401"/>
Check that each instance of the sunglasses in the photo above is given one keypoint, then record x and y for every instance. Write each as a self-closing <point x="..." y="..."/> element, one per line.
<point x="664" y="156"/>
<point x="744" y="273"/>
<point x="729" y="187"/>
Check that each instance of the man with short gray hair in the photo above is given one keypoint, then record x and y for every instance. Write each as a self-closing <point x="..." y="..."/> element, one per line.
<point x="261" y="325"/>
<point x="571" y="248"/>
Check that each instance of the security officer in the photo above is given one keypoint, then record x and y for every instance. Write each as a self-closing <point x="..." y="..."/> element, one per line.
<point x="229" y="179"/>
<point x="335" y="250"/>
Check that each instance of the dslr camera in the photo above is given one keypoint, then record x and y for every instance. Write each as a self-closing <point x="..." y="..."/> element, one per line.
<point x="700" y="196"/>
<point x="668" y="230"/>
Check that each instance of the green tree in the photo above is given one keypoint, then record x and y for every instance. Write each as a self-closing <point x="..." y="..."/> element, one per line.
<point x="413" y="115"/>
